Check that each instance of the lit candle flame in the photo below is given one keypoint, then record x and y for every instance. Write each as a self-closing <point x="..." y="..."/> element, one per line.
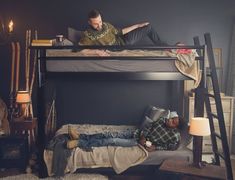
<point x="10" y="26"/>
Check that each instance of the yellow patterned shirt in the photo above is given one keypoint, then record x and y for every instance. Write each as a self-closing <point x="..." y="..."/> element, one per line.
<point x="109" y="35"/>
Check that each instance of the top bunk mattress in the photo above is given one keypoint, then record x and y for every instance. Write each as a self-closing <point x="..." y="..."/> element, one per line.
<point x="119" y="61"/>
<point x="111" y="66"/>
<point x="143" y="61"/>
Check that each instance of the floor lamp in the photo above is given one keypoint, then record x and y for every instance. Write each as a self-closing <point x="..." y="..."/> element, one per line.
<point x="199" y="127"/>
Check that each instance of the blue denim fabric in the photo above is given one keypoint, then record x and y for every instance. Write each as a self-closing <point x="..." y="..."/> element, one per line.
<point x="138" y="34"/>
<point x="124" y="138"/>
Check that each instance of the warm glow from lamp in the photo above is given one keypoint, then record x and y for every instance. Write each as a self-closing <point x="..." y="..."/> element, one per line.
<point x="10" y="26"/>
<point x="199" y="126"/>
<point x="23" y="97"/>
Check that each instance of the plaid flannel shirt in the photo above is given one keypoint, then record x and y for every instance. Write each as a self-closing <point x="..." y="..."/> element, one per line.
<point x="162" y="137"/>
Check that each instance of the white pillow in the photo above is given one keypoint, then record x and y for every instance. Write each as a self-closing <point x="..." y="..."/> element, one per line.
<point x="74" y="35"/>
<point x="156" y="113"/>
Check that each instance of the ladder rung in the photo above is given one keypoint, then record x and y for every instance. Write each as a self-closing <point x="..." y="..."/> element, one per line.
<point x="214" y="115"/>
<point x="208" y="70"/>
<point x="210" y="95"/>
<point x="220" y="155"/>
<point x="217" y="135"/>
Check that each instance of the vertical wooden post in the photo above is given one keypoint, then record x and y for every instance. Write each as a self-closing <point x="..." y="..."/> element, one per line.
<point x="197" y="151"/>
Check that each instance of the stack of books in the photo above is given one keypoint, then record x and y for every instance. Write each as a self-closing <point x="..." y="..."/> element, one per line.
<point x="41" y="42"/>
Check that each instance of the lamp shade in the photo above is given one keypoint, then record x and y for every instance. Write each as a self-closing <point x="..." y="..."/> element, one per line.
<point x="199" y="126"/>
<point x="23" y="97"/>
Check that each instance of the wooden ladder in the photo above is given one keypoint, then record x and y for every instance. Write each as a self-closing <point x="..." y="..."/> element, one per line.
<point x="219" y="116"/>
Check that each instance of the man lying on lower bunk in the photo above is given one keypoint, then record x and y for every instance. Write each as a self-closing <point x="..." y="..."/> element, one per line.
<point x="162" y="134"/>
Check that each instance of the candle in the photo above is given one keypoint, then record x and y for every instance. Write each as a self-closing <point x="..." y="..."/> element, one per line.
<point x="10" y="26"/>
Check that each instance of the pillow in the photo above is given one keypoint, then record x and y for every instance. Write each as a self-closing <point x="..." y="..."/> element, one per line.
<point x="74" y="35"/>
<point x="148" y="110"/>
<point x="156" y="113"/>
<point x="146" y="123"/>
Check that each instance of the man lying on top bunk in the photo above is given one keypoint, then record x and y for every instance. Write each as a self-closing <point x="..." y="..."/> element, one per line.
<point x="103" y="33"/>
<point x="162" y="134"/>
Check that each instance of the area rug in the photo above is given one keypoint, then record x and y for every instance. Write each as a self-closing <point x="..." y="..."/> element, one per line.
<point x="80" y="176"/>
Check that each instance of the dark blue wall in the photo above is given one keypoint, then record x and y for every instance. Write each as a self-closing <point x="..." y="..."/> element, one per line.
<point x="110" y="102"/>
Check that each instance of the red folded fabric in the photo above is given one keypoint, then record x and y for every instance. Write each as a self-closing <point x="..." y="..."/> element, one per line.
<point x="183" y="51"/>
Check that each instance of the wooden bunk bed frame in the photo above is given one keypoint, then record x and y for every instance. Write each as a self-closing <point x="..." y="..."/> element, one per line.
<point x="43" y="75"/>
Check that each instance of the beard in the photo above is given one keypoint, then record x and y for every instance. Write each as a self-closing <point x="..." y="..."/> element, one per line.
<point x="97" y="28"/>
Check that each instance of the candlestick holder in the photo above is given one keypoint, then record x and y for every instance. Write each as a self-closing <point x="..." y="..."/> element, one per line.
<point x="6" y="30"/>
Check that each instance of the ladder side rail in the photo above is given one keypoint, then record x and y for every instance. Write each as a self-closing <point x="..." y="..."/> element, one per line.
<point x="215" y="84"/>
<point x="219" y="108"/>
<point x="212" y="129"/>
<point x="206" y="99"/>
<point x="198" y="111"/>
<point x="199" y="91"/>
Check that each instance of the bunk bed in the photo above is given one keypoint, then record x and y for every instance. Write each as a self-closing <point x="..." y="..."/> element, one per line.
<point x="66" y="63"/>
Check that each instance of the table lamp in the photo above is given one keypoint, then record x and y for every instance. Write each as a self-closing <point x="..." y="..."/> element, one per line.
<point x="199" y="127"/>
<point x="23" y="98"/>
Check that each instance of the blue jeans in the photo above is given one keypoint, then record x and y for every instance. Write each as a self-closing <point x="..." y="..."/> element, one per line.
<point x="138" y="34"/>
<point x="124" y="138"/>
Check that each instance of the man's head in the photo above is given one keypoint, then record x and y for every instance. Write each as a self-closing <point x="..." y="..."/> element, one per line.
<point x="95" y="20"/>
<point x="172" y="122"/>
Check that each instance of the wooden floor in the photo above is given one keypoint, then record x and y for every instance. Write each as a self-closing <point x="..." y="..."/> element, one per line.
<point x="12" y="172"/>
<point x="9" y="172"/>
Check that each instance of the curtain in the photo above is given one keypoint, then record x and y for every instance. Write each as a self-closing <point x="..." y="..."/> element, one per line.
<point x="230" y="83"/>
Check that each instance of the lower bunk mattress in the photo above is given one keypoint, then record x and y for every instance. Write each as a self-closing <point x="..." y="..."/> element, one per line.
<point x="119" y="158"/>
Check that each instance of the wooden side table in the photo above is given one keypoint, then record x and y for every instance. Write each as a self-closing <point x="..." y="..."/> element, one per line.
<point x="186" y="168"/>
<point x="21" y="126"/>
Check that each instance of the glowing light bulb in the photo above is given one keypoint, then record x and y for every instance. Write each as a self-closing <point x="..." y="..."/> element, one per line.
<point x="10" y="26"/>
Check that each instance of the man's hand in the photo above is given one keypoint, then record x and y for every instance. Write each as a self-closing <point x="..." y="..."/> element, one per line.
<point x="151" y="148"/>
<point x="142" y="24"/>
<point x="133" y="27"/>
<point x="142" y="140"/>
<point x="102" y="53"/>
